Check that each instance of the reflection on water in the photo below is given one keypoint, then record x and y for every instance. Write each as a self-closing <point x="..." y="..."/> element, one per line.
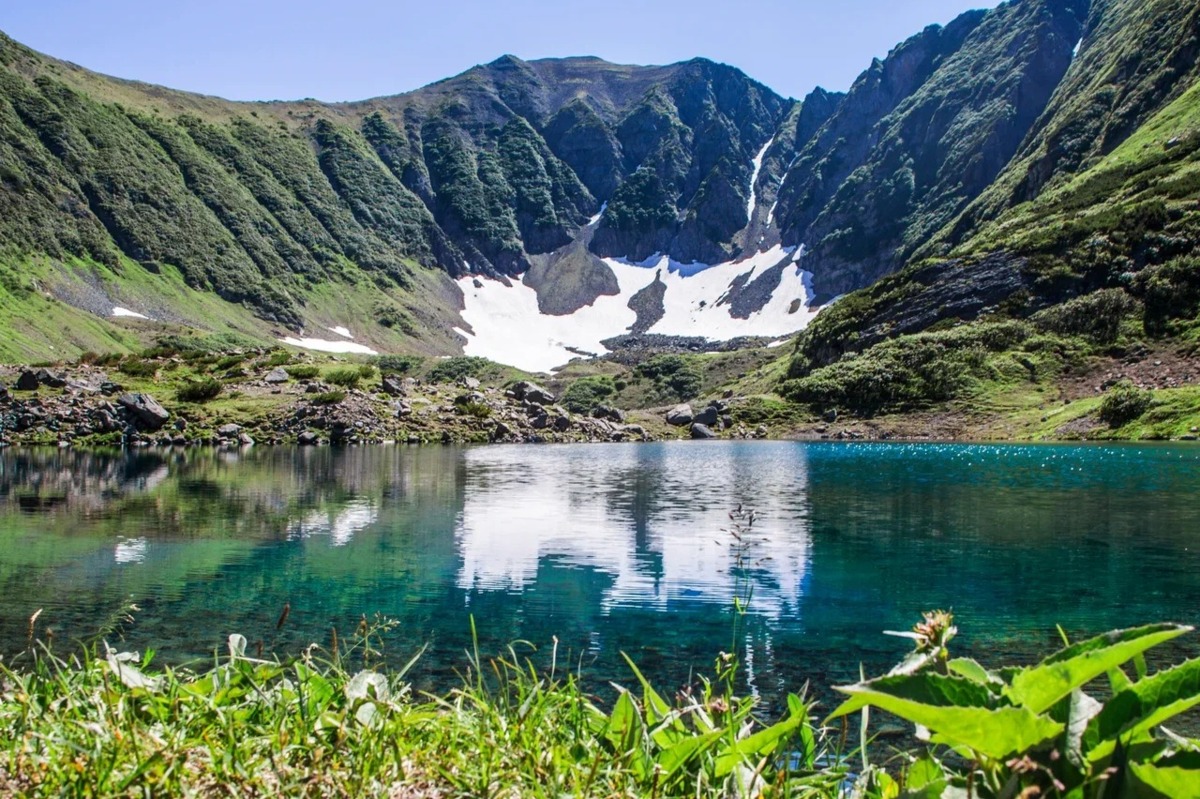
<point x="651" y="520"/>
<point x="607" y="548"/>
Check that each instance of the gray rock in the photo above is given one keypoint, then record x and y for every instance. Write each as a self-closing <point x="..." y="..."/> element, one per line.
<point x="830" y="415"/>
<point x="609" y="413"/>
<point x="532" y="392"/>
<point x="702" y="431"/>
<point x="146" y="412"/>
<point x="680" y="415"/>
<point x="52" y="380"/>
<point x="28" y="381"/>
<point x="3" y="393"/>
<point x="707" y="417"/>
<point x="228" y="430"/>
<point x="245" y="440"/>
<point x="470" y="382"/>
<point x="393" y="386"/>
<point x="307" y="439"/>
<point x="276" y="376"/>
<point x="108" y="388"/>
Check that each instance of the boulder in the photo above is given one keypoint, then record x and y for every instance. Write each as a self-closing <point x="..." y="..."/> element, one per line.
<point x="145" y="410"/>
<point x="3" y="393"/>
<point x="276" y="376"/>
<point x="707" y="417"/>
<point x="46" y="378"/>
<point x="307" y="439"/>
<point x="28" y="381"/>
<point x="702" y="431"/>
<point x="229" y="430"/>
<point x="680" y="415"/>
<point x="609" y="413"/>
<point x="470" y="382"/>
<point x="393" y="386"/>
<point x="532" y="392"/>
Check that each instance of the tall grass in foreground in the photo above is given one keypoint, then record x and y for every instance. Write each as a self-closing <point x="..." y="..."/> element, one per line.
<point x="331" y="723"/>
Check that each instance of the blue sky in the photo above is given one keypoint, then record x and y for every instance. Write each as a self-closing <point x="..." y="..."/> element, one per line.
<point x="354" y="49"/>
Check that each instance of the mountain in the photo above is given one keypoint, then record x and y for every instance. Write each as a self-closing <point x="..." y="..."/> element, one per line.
<point x="540" y="209"/>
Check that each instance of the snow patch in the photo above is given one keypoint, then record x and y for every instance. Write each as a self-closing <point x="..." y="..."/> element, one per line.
<point x="119" y="311"/>
<point x="325" y="345"/>
<point x="595" y="220"/>
<point x="342" y="331"/>
<point x="509" y="328"/>
<point x="757" y="162"/>
<point x="1075" y="50"/>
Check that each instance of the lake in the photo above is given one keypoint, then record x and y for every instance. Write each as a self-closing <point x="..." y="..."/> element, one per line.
<point x="604" y="548"/>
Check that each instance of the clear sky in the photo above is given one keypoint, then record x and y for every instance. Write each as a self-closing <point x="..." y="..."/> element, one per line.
<point x="354" y="49"/>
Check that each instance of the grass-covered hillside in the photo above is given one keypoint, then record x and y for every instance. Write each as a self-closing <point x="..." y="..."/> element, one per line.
<point x="1073" y="281"/>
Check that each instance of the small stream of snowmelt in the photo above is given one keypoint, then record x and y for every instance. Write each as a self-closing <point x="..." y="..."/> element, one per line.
<point x="509" y="328"/>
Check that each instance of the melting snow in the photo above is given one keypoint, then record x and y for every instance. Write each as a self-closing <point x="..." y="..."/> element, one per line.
<point x="119" y="311"/>
<point x="509" y="328"/>
<point x="325" y="345"/>
<point x="342" y="331"/>
<point x="1078" y="44"/>
<point x="758" y="159"/>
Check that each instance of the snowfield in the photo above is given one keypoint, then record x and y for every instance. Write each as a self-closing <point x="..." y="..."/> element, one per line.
<point x="325" y="345"/>
<point x="507" y="327"/>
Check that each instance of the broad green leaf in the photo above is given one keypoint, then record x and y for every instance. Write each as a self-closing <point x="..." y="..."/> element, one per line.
<point x="956" y="710"/>
<point x="1118" y="680"/>
<point x="925" y="779"/>
<point x="656" y="707"/>
<point x="1039" y="687"/>
<point x="971" y="670"/>
<point x="756" y="745"/>
<point x="1143" y="706"/>
<point x="1176" y="777"/>
<point x="678" y="754"/>
<point x="624" y="723"/>
<point x="930" y="689"/>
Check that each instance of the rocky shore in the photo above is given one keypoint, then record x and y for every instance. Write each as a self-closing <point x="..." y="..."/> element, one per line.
<point x="86" y="406"/>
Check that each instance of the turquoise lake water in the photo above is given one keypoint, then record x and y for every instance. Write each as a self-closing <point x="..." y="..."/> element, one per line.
<point x="606" y="548"/>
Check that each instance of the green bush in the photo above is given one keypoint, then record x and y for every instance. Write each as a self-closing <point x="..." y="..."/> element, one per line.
<point x="199" y="391"/>
<point x="328" y="398"/>
<point x="397" y="364"/>
<point x="480" y="410"/>
<point x="136" y="367"/>
<point x="366" y="371"/>
<point x="346" y="378"/>
<point x="1097" y="316"/>
<point x="458" y="367"/>
<point x="674" y="373"/>
<point x="1123" y="403"/>
<point x="230" y="361"/>
<point x="279" y="358"/>
<point x="587" y="392"/>
<point x="303" y="371"/>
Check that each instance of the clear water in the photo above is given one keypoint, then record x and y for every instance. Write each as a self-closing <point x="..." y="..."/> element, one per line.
<point x="606" y="548"/>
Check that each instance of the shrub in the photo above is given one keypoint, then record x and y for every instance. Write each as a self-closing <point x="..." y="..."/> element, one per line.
<point x="328" y="398"/>
<point x="1123" y="403"/>
<point x="200" y="390"/>
<point x="366" y="371"/>
<point x="346" y="378"/>
<point x="480" y="410"/>
<point x="279" y="358"/>
<point x="458" y="367"/>
<point x="303" y="371"/>
<point x="588" y="392"/>
<point x="1097" y="316"/>
<point x="136" y="367"/>
<point x="230" y="361"/>
<point x="674" y="373"/>
<point x="397" y="364"/>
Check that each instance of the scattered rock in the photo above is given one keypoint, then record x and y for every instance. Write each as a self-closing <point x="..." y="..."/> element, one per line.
<point x="28" y="381"/>
<point x="146" y="412"/>
<point x="472" y="383"/>
<point x="307" y="439"/>
<point x="228" y="430"/>
<point x="830" y="415"/>
<point x="707" y="417"/>
<point x="532" y="392"/>
<point x="50" y="380"/>
<point x="680" y="415"/>
<point x="701" y="431"/>
<point x="609" y="413"/>
<point x="392" y="385"/>
<point x="276" y="376"/>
